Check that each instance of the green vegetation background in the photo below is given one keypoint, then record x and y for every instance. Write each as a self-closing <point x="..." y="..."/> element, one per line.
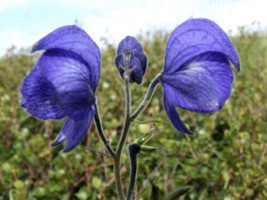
<point x="226" y="159"/>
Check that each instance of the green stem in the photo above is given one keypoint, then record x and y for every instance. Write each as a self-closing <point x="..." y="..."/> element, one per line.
<point x="127" y="122"/>
<point x="154" y="83"/>
<point x="118" y="181"/>
<point x="101" y="131"/>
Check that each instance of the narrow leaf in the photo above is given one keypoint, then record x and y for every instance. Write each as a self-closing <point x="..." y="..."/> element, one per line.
<point x="144" y="138"/>
<point x="149" y="148"/>
<point x="177" y="193"/>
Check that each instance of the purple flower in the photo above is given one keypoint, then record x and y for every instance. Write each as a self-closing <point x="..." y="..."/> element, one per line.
<point x="63" y="82"/>
<point x="131" y="53"/>
<point x="197" y="74"/>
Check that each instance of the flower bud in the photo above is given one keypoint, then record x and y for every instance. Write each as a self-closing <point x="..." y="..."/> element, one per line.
<point x="131" y="60"/>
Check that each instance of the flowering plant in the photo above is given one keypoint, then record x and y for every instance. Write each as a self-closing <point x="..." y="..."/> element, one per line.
<point x="197" y="76"/>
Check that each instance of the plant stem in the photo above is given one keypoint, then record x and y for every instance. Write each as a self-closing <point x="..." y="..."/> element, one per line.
<point x="101" y="131"/>
<point x="134" y="149"/>
<point x="127" y="122"/>
<point x="154" y="83"/>
<point x="118" y="181"/>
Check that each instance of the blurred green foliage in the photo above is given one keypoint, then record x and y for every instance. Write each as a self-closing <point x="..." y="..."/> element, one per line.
<point x="226" y="159"/>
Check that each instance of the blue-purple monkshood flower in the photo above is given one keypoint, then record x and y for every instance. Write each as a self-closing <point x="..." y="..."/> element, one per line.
<point x="63" y="82"/>
<point x="130" y="50"/>
<point x="197" y="74"/>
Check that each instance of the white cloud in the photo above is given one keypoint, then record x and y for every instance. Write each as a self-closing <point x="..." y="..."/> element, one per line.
<point x="117" y="23"/>
<point x="11" y="37"/>
<point x="243" y="13"/>
<point x="120" y="20"/>
<point x="18" y="39"/>
<point x="32" y="39"/>
<point x="117" y="19"/>
<point x="6" y="4"/>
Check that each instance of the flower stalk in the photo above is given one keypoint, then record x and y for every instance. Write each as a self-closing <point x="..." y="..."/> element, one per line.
<point x="127" y="122"/>
<point x="101" y="131"/>
<point x="154" y="83"/>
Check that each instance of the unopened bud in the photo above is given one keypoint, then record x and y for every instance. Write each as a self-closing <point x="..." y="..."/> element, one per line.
<point x="131" y="59"/>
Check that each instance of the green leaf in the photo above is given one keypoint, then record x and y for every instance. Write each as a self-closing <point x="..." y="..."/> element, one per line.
<point x="6" y="167"/>
<point x="147" y="121"/>
<point x="144" y="138"/>
<point x="177" y="193"/>
<point x="39" y="191"/>
<point x="149" y="148"/>
<point x="96" y="182"/>
<point x="83" y="194"/>
<point x="18" y="184"/>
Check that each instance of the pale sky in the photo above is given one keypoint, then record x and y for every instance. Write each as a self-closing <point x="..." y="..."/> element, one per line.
<point x="23" y="22"/>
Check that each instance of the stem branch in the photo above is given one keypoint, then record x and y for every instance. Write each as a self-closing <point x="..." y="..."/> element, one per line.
<point x="101" y="132"/>
<point x="154" y="83"/>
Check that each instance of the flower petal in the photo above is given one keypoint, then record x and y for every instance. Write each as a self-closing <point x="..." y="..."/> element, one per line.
<point x="119" y="63"/>
<point x="73" y="131"/>
<point x="38" y="96"/>
<point x="68" y="74"/>
<point x="202" y="85"/>
<point x="61" y="137"/>
<point x="173" y="115"/>
<point x="194" y="37"/>
<point x="142" y="59"/>
<point x="129" y="42"/>
<point x="138" y="73"/>
<point x="73" y="38"/>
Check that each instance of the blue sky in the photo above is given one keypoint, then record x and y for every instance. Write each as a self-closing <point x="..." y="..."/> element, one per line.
<point x="23" y="22"/>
